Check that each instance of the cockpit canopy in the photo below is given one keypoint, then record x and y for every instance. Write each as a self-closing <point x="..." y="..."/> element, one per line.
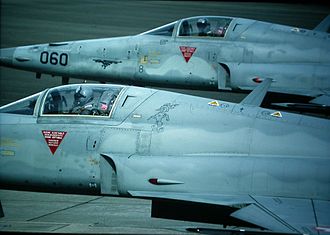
<point x="80" y="99"/>
<point x="204" y="26"/>
<point x="201" y="26"/>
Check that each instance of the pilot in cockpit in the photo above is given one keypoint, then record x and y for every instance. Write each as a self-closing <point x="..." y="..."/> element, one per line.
<point x="203" y="26"/>
<point x="83" y="103"/>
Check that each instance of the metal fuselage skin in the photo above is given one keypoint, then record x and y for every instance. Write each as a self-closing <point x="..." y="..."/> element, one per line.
<point x="298" y="60"/>
<point x="195" y="147"/>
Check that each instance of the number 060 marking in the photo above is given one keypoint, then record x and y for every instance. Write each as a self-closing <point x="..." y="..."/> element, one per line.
<point x="54" y="58"/>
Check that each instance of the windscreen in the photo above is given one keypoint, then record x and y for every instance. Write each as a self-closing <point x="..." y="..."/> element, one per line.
<point x="24" y="106"/>
<point x="166" y="30"/>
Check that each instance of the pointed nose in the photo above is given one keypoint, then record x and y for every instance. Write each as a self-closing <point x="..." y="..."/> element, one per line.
<point x="6" y="56"/>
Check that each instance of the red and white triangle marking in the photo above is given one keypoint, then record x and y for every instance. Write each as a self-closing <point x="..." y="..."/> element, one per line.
<point x="53" y="139"/>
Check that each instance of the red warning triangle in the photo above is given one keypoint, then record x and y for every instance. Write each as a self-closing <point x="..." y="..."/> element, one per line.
<point x="53" y="139"/>
<point x="187" y="52"/>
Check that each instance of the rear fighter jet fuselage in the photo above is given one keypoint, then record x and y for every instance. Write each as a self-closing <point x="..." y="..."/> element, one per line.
<point x="200" y="52"/>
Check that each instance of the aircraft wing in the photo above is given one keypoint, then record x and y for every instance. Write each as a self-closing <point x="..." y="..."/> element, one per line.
<point x="320" y="105"/>
<point x="256" y="97"/>
<point x="324" y="26"/>
<point x="288" y="215"/>
<point x="322" y="100"/>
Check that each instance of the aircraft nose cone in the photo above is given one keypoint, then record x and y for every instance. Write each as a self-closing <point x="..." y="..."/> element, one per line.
<point x="6" y="56"/>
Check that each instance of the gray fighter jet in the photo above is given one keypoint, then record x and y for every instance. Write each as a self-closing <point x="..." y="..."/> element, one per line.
<point x="204" y="52"/>
<point x="197" y="159"/>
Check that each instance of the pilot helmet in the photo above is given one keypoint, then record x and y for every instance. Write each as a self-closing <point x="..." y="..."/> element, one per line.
<point x="202" y="23"/>
<point x="83" y="95"/>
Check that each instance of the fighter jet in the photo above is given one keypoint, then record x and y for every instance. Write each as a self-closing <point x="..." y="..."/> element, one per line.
<point x="197" y="159"/>
<point x="203" y="52"/>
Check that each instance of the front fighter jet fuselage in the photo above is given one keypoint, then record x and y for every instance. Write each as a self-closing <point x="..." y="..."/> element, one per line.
<point x="236" y="162"/>
<point x="190" y="144"/>
<point x="224" y="53"/>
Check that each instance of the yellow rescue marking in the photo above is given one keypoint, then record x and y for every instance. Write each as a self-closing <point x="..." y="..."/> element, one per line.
<point x="214" y="103"/>
<point x="154" y="53"/>
<point x="7" y="153"/>
<point x="154" y="61"/>
<point x="8" y="142"/>
<point x="93" y="161"/>
<point x="277" y="114"/>
<point x="144" y="60"/>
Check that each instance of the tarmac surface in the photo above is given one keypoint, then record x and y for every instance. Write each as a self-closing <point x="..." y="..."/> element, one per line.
<point x="62" y="213"/>
<point x="34" y="21"/>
